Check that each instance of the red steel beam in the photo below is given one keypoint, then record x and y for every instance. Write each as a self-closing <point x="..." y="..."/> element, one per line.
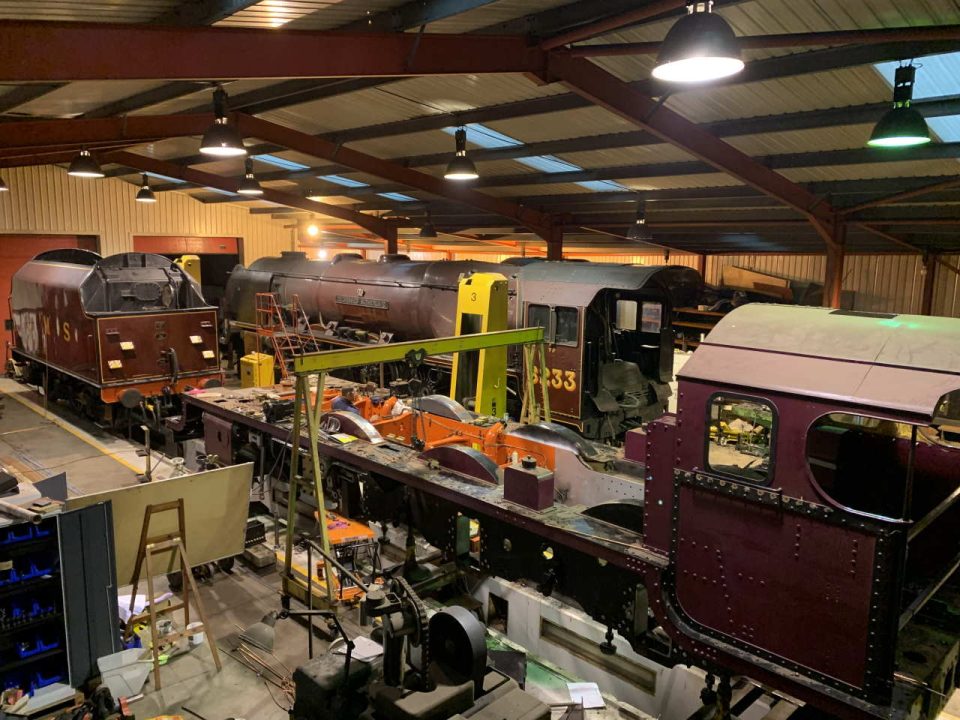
<point x="78" y="132"/>
<point x="789" y="40"/>
<point x="600" y="87"/>
<point x="381" y="228"/>
<point x="67" y="51"/>
<point x="905" y="195"/>
<point x="650" y="10"/>
<point x="325" y="149"/>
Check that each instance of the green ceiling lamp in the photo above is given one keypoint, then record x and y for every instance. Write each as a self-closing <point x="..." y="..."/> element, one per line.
<point x="902" y="125"/>
<point x="700" y="47"/>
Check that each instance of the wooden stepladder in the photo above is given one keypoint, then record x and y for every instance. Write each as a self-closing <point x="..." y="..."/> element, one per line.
<point x="174" y="545"/>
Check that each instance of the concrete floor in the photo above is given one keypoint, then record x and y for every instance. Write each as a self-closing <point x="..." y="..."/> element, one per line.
<point x="231" y="601"/>
<point x="37" y="443"/>
<point x="40" y="442"/>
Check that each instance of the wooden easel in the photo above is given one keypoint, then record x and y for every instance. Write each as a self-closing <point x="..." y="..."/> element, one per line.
<point x="150" y="547"/>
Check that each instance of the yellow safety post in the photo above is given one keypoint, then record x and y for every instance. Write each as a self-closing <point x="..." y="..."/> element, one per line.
<point x="481" y="375"/>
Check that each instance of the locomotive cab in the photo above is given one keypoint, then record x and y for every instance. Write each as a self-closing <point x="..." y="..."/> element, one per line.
<point x="814" y="461"/>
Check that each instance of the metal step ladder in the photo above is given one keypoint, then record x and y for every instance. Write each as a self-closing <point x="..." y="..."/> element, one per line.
<point x="286" y="327"/>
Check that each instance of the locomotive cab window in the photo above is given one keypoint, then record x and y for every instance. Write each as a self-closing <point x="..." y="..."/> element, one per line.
<point x="567" y="326"/>
<point x="561" y="325"/>
<point x="740" y="437"/>
<point x="626" y="314"/>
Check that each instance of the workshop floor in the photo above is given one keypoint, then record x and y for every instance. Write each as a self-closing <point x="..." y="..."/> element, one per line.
<point x="40" y="442"/>
<point x="231" y="601"/>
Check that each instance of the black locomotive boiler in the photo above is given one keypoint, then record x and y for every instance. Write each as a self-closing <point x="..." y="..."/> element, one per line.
<point x="610" y="343"/>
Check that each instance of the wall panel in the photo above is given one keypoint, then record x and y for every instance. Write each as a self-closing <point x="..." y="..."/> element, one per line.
<point x="946" y="289"/>
<point x="44" y="199"/>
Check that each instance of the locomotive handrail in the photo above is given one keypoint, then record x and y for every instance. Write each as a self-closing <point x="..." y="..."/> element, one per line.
<point x="927" y="520"/>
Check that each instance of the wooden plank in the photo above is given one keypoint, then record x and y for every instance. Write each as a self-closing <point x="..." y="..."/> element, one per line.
<point x="216" y="514"/>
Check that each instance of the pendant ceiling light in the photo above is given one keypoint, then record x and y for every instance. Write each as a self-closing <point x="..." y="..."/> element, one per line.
<point x="428" y="231"/>
<point x="249" y="184"/>
<point x="3" y="185"/>
<point x="700" y="47"/>
<point x="461" y="167"/>
<point x="145" y="194"/>
<point x="85" y="166"/>
<point x="902" y="125"/>
<point x="221" y="139"/>
<point x="639" y="232"/>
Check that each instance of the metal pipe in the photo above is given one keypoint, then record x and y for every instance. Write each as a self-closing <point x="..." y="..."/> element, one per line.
<point x="925" y="522"/>
<point x="19" y="512"/>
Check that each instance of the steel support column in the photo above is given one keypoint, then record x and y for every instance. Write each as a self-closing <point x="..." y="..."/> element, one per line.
<point x="929" y="283"/>
<point x="96" y="51"/>
<point x="597" y="85"/>
<point x="378" y="227"/>
<point x="554" y="240"/>
<point x="833" y="279"/>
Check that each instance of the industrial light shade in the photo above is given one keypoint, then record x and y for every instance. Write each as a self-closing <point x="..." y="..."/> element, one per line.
<point x="902" y="125"/>
<point x="249" y="184"/>
<point x="3" y="186"/>
<point x="85" y="166"/>
<point x="461" y="167"/>
<point x="428" y="231"/>
<point x="700" y="47"/>
<point x="145" y="194"/>
<point x="222" y="139"/>
<point x="639" y="232"/>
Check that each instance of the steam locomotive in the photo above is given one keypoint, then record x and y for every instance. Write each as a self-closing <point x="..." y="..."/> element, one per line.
<point x="610" y="344"/>
<point x="106" y="332"/>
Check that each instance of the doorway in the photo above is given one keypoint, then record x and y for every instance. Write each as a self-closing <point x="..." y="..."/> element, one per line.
<point x="218" y="256"/>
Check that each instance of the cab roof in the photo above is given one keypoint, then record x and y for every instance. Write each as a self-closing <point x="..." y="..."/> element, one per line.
<point x="904" y="363"/>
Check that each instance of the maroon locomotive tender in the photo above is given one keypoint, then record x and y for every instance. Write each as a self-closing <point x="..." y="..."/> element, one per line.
<point x="107" y="330"/>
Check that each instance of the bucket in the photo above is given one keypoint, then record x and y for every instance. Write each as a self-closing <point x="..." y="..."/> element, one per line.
<point x="195" y="634"/>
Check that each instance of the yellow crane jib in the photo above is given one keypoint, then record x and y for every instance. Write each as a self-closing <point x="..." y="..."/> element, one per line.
<point x="479" y="380"/>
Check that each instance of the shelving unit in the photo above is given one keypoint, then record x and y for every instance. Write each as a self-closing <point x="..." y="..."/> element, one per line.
<point x="690" y="323"/>
<point x="31" y="610"/>
<point x="55" y="625"/>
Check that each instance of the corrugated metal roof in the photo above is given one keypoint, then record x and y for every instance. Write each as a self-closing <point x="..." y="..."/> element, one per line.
<point x="409" y="99"/>
<point x="492" y="14"/>
<point x="275" y="13"/>
<point x="77" y="98"/>
<point x="119" y="11"/>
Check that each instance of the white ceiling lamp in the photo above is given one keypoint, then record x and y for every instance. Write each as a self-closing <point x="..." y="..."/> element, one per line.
<point x="700" y="47"/>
